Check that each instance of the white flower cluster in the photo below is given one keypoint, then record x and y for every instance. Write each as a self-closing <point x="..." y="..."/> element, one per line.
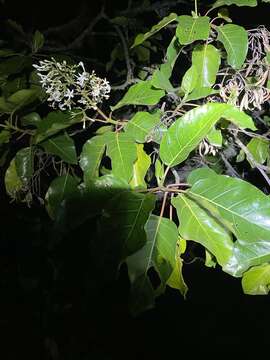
<point x="70" y="86"/>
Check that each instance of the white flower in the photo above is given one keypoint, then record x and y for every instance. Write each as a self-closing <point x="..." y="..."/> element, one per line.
<point x="82" y="78"/>
<point x="69" y="94"/>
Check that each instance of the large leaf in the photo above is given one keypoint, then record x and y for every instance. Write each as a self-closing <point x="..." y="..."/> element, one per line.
<point x="235" y="40"/>
<point x="141" y="125"/>
<point x="62" y="146"/>
<point x="158" y="252"/>
<point x="24" y="164"/>
<point x="188" y="131"/>
<point x="91" y="156"/>
<point x="140" y="94"/>
<point x="219" y="3"/>
<point x="191" y="29"/>
<point x="54" y="122"/>
<point x="61" y="189"/>
<point x="256" y="281"/>
<point x="140" y="168"/>
<point x="140" y="38"/>
<point x="206" y="59"/>
<point x="198" y="225"/>
<point x="243" y="209"/>
<point x="123" y="153"/>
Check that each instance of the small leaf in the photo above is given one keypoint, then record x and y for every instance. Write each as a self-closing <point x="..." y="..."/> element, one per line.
<point x="201" y="92"/>
<point x="219" y="3"/>
<point x="256" y="281"/>
<point x="122" y="151"/>
<point x="215" y="137"/>
<point x="140" y="168"/>
<point x="235" y="40"/>
<point x="13" y="182"/>
<point x="22" y="98"/>
<point x="4" y="136"/>
<point x="191" y="29"/>
<point x="159" y="171"/>
<point x="140" y="94"/>
<point x="141" y="125"/>
<point x="140" y="38"/>
<point x="206" y="59"/>
<point x="38" y="41"/>
<point x="32" y="119"/>
<point x="62" y="146"/>
<point x="189" y="80"/>
<point x="24" y="161"/>
<point x="259" y="149"/>
<point x="91" y="156"/>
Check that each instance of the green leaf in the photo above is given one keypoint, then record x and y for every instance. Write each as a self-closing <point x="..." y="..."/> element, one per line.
<point x="91" y="156"/>
<point x="4" y="136"/>
<point x="158" y="252"/>
<point x="123" y="222"/>
<point x="256" y="281"/>
<point x="160" y="80"/>
<point x="243" y="209"/>
<point x="38" y="41"/>
<point x="201" y="92"/>
<point x="188" y="131"/>
<point x="189" y="80"/>
<point x="122" y="151"/>
<point x="159" y="171"/>
<point x="191" y="29"/>
<point x="24" y="161"/>
<point x="219" y="3"/>
<point x="139" y="127"/>
<point x="14" y="65"/>
<point x="235" y="40"/>
<point x="13" y="182"/>
<point x="32" y="119"/>
<point x="140" y="38"/>
<point x="215" y="137"/>
<point x="198" y="225"/>
<point x="62" y="188"/>
<point x="22" y="98"/>
<point x="62" y="146"/>
<point x="140" y="94"/>
<point x="140" y="168"/>
<point x="176" y="280"/>
<point x="206" y="59"/>
<point x="259" y="149"/>
<point x="54" y="122"/>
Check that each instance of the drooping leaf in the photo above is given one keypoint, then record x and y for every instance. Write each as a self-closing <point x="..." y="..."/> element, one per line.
<point x="24" y="164"/>
<point x="219" y="3"/>
<point x="198" y="225"/>
<point x="206" y="59"/>
<point x="158" y="252"/>
<point x="189" y="80"/>
<point x="122" y="151"/>
<point x="13" y="182"/>
<point x="140" y="94"/>
<point x="141" y="125"/>
<point x="54" y="122"/>
<point x="62" y="146"/>
<point x="61" y="189"/>
<point x="188" y="131"/>
<point x="140" y="38"/>
<point x="191" y="29"/>
<point x="259" y="149"/>
<point x="91" y="156"/>
<point x="140" y="168"/>
<point x="256" y="281"/>
<point x="235" y="40"/>
<point x="242" y="208"/>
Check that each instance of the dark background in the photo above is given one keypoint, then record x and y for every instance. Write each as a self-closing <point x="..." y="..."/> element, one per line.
<point x="80" y="324"/>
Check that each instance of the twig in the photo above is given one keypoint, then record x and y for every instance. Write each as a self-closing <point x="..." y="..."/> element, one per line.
<point x="231" y="171"/>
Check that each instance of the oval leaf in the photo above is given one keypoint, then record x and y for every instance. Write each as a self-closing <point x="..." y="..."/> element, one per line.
<point x="191" y="29"/>
<point x="62" y="146"/>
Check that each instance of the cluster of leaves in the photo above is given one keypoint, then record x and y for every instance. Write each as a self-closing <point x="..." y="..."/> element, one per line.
<point x="166" y="172"/>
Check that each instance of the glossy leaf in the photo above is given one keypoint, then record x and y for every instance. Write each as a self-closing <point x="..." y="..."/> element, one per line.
<point x="24" y="164"/>
<point x="158" y="252"/>
<point x="32" y="119"/>
<point x="188" y="131"/>
<point x="206" y="59"/>
<point x="61" y="189"/>
<point x="22" y="98"/>
<point x="235" y="40"/>
<point x="256" y="281"/>
<point x="191" y="29"/>
<point x="91" y="156"/>
<point x="122" y="151"/>
<point x="259" y="149"/>
<point x="140" y="168"/>
<point x="198" y="225"/>
<point x="200" y="93"/>
<point x="189" y="80"/>
<point x="54" y="122"/>
<point x="215" y="137"/>
<point x="62" y="146"/>
<point x="141" y="125"/>
<point x="242" y="208"/>
<point x="219" y="3"/>
<point x="140" y="38"/>
<point x="140" y="94"/>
